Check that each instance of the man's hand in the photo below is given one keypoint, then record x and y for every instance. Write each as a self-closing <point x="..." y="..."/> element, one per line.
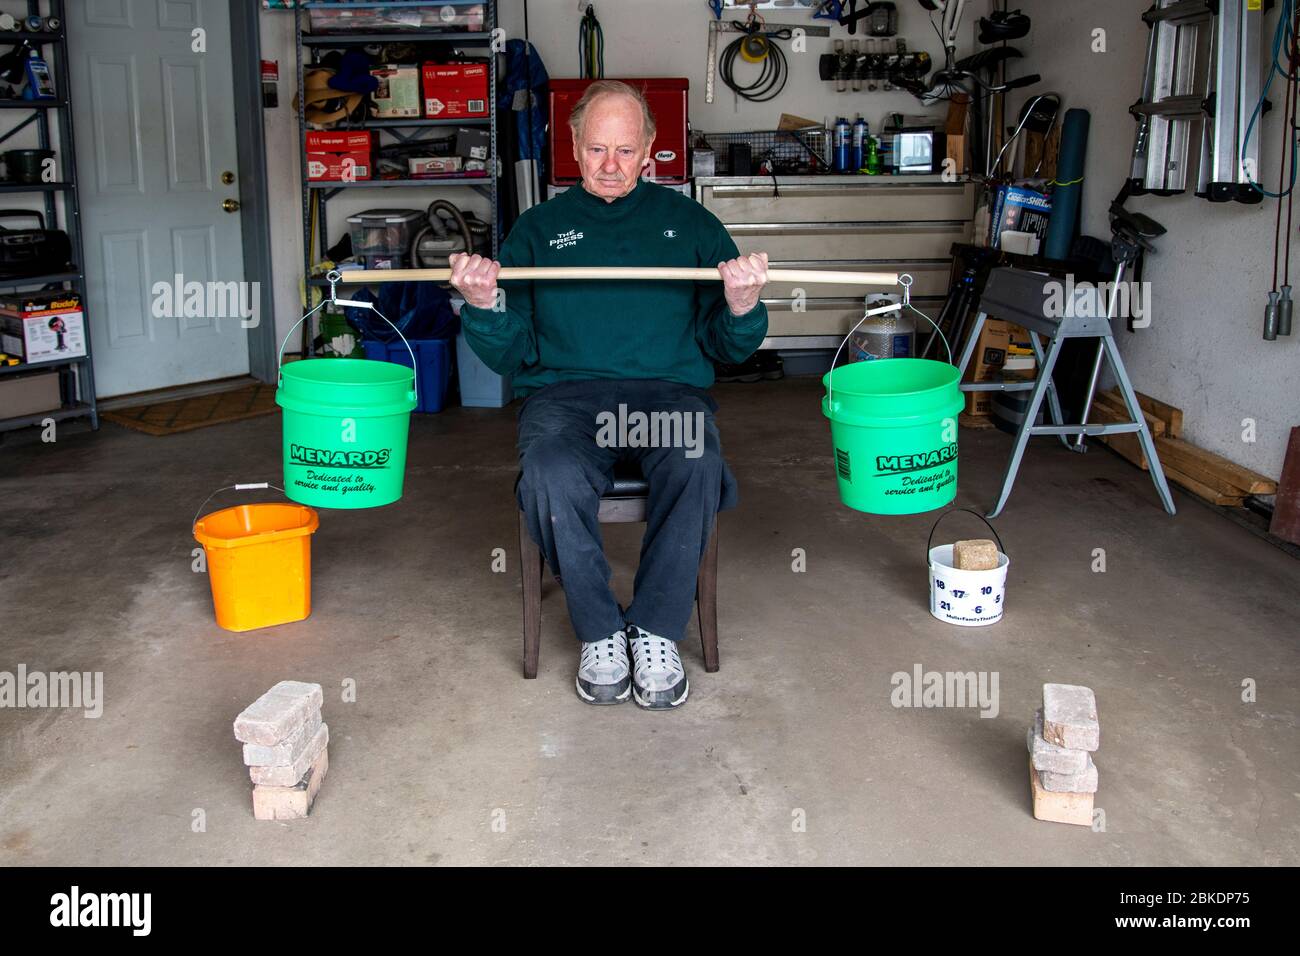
<point x="743" y="280"/>
<point x="475" y="278"/>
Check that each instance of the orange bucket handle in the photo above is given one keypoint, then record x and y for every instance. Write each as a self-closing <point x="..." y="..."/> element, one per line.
<point x="253" y="486"/>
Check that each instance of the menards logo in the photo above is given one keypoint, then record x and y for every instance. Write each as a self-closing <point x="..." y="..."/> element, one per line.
<point x="302" y="455"/>
<point x="899" y="464"/>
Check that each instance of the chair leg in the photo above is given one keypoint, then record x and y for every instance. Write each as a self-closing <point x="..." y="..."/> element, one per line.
<point x="530" y="570"/>
<point x="706" y="601"/>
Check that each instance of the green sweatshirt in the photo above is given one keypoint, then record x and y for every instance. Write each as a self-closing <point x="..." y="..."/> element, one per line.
<point x="569" y="330"/>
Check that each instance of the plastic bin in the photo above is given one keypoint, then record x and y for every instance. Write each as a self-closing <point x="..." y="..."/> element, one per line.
<point x="384" y="232"/>
<point x="433" y="367"/>
<point x="480" y="387"/>
<point x="398" y="15"/>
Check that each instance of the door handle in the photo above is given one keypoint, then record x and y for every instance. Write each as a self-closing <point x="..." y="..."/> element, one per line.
<point x="230" y="205"/>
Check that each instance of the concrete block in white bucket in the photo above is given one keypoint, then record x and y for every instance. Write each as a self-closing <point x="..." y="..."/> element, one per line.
<point x="962" y="597"/>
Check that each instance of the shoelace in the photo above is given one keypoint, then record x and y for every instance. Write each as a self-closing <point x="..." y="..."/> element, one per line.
<point x="660" y="654"/>
<point x="611" y="651"/>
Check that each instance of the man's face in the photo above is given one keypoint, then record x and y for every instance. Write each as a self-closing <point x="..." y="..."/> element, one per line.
<point x="611" y="151"/>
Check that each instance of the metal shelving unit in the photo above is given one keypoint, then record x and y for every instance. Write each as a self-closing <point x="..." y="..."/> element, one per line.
<point x="309" y="49"/>
<point x="76" y="376"/>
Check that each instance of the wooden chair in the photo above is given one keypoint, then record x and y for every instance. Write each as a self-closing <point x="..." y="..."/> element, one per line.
<point x="624" y="502"/>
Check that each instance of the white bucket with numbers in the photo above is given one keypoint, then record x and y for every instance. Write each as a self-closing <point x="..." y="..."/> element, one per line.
<point x="961" y="597"/>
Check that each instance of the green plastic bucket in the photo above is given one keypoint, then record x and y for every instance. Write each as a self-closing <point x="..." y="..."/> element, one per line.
<point x="894" y="431"/>
<point x="345" y="428"/>
<point x="345" y="424"/>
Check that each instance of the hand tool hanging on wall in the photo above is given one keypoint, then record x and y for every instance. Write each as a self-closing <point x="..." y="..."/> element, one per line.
<point x="591" y="46"/>
<point x="829" y="10"/>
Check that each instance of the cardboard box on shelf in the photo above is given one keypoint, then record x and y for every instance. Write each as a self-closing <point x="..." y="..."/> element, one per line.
<point x="48" y="302"/>
<point x="398" y="96"/>
<point x="455" y="90"/>
<point x="472" y="142"/>
<point x="987" y="362"/>
<point x="338" y="167"/>
<point x="29" y="394"/>
<point x="434" y="165"/>
<point x="43" y="337"/>
<point x="338" y="156"/>
<point x="338" y="141"/>
<point x="1018" y="209"/>
<point x="430" y="166"/>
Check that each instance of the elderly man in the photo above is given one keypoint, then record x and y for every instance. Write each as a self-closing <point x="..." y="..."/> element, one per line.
<point x="592" y="356"/>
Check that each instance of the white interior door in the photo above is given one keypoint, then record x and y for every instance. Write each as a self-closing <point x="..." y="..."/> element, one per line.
<point x="155" y="120"/>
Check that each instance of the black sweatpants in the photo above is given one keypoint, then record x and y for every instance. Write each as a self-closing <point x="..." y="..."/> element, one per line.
<point x="565" y="470"/>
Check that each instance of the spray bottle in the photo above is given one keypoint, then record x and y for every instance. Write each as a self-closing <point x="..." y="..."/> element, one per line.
<point x="873" y="164"/>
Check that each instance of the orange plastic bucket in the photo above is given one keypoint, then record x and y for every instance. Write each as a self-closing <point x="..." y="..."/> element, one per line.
<point x="259" y="563"/>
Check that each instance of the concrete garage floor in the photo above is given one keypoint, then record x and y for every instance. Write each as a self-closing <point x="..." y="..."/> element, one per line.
<point x="445" y="737"/>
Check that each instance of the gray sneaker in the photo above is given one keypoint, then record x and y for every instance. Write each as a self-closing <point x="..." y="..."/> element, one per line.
<point x="658" y="677"/>
<point x="604" y="676"/>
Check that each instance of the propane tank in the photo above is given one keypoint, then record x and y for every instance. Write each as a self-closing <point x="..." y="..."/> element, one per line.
<point x="861" y="130"/>
<point x="843" y="134"/>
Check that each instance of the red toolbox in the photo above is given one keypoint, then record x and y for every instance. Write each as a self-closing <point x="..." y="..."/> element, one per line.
<point x="667" y="97"/>
<point x="330" y="154"/>
<point x="455" y="90"/>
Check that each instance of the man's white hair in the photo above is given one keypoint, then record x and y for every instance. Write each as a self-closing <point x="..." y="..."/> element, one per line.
<point x="605" y="88"/>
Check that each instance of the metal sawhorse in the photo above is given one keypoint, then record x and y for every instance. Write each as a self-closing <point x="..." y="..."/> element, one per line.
<point x="1029" y="299"/>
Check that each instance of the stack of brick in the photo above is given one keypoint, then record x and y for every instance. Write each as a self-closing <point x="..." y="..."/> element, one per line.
<point x="285" y="749"/>
<point x="1065" y="734"/>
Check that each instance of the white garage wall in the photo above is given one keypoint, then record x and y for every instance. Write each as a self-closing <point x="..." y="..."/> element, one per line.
<point x="670" y="38"/>
<point x="1211" y="274"/>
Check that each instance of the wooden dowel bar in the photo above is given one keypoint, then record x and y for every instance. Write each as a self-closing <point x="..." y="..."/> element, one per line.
<point x="806" y="276"/>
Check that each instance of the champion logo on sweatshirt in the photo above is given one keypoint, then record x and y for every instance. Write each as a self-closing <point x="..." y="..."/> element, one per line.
<point x="566" y="239"/>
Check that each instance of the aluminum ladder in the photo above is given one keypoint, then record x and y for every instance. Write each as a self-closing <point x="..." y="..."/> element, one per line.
<point x="1200" y="86"/>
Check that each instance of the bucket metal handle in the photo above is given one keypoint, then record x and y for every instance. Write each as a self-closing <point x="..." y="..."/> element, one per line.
<point x="930" y="543"/>
<point x="334" y="276"/>
<point x="251" y="486"/>
<point x="905" y="281"/>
